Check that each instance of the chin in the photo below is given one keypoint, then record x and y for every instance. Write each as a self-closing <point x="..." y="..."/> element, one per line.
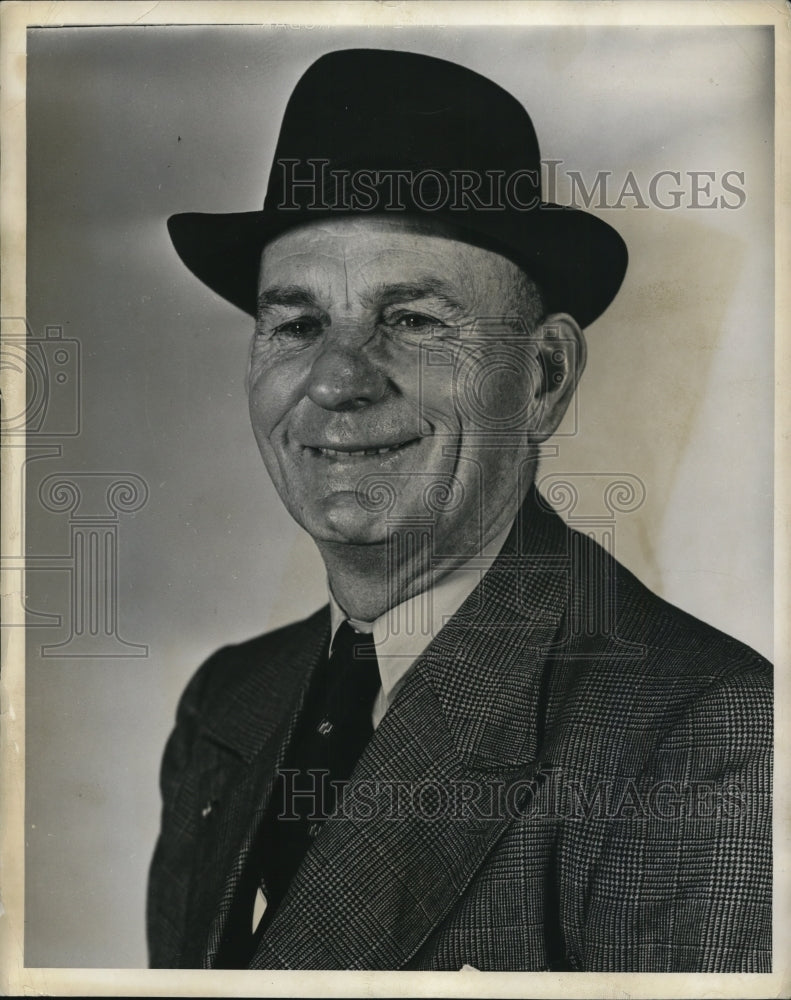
<point x="344" y="521"/>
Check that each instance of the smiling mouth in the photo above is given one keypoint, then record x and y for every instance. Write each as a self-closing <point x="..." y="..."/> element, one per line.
<point x="361" y="452"/>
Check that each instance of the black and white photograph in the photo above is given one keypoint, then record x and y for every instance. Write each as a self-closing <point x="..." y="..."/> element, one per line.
<point x="394" y="545"/>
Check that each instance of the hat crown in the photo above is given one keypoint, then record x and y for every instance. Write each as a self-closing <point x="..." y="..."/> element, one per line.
<point x="385" y="111"/>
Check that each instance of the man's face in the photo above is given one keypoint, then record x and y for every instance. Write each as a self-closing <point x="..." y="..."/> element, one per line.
<point x="389" y="381"/>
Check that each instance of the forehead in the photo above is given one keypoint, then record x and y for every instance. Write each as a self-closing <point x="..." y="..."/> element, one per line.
<point x="365" y="251"/>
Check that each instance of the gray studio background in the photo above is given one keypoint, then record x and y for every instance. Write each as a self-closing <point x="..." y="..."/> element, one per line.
<point x="127" y="126"/>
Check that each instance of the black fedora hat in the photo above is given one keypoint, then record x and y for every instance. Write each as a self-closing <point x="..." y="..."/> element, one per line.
<point x="380" y="132"/>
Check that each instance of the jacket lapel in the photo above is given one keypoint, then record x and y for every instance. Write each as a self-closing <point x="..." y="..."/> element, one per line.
<point x="439" y="782"/>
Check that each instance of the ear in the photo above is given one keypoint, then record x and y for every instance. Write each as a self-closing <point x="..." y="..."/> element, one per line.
<point x="562" y="354"/>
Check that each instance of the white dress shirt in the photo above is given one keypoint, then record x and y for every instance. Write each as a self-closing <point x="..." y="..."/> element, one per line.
<point x="401" y="634"/>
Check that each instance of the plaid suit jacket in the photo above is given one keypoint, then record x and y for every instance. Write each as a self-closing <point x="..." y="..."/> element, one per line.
<point x="584" y="774"/>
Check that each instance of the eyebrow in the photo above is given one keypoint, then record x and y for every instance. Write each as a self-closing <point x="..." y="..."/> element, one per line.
<point x="409" y="291"/>
<point x="381" y="295"/>
<point x="287" y="295"/>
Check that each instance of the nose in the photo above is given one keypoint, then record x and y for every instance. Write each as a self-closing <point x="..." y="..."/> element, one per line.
<point x="343" y="377"/>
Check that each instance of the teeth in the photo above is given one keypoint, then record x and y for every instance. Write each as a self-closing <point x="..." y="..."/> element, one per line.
<point x="333" y="452"/>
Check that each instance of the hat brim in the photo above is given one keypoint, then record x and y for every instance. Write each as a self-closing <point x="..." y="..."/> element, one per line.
<point x="578" y="260"/>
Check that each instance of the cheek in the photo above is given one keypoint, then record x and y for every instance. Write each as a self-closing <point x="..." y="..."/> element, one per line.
<point x="497" y="393"/>
<point x="434" y="394"/>
<point x="267" y="409"/>
<point x="263" y="407"/>
<point x="272" y="391"/>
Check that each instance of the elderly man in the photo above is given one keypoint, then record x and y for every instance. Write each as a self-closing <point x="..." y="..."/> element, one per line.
<point x="494" y="747"/>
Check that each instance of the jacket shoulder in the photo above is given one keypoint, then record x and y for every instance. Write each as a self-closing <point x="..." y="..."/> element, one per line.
<point x="654" y="676"/>
<point x="673" y="637"/>
<point x="230" y="666"/>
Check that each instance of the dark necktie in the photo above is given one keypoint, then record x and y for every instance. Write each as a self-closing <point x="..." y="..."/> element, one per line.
<point x="334" y="729"/>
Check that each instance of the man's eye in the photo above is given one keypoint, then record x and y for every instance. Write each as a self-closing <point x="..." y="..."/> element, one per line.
<point x="415" y="321"/>
<point x="305" y="326"/>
